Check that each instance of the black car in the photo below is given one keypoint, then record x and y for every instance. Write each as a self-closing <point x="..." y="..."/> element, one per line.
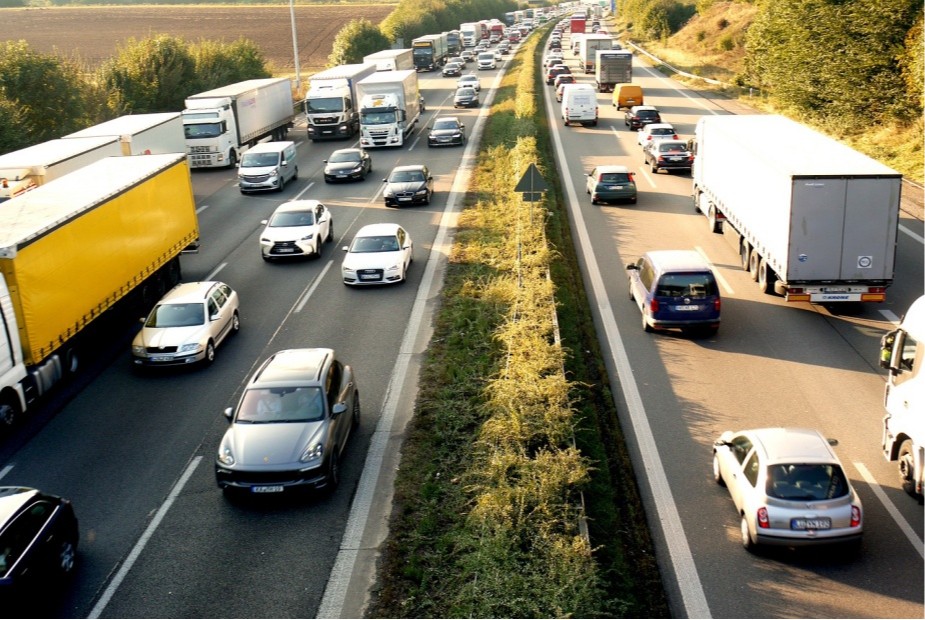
<point x="38" y="540"/>
<point x="640" y="115"/>
<point x="452" y="69"/>
<point x="668" y="155"/>
<point x="555" y="70"/>
<point x="408" y="185"/>
<point x="466" y="97"/>
<point x="347" y="165"/>
<point x="447" y="131"/>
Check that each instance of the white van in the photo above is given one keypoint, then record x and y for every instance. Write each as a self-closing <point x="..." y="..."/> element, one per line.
<point x="267" y="166"/>
<point x="486" y="60"/>
<point x="579" y="104"/>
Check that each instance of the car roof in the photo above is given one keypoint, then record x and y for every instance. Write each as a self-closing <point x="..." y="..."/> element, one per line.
<point x="270" y="147"/>
<point x="788" y="444"/>
<point x="455" y="119"/>
<point x="409" y="167"/>
<point x="292" y="367"/>
<point x="611" y="169"/>
<point x="658" y="126"/>
<point x="643" y="107"/>
<point x="12" y="499"/>
<point x="377" y="230"/>
<point x="348" y="150"/>
<point x="297" y="205"/>
<point x="189" y="292"/>
<point x="677" y="260"/>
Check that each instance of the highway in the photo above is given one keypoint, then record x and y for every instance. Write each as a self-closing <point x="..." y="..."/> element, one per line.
<point x="135" y="452"/>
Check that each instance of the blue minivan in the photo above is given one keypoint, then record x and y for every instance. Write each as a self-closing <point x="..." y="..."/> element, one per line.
<point x="675" y="289"/>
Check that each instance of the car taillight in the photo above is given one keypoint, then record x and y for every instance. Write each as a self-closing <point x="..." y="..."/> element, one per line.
<point x="653" y="306"/>
<point x="855" y="516"/>
<point x="763" y="521"/>
<point x="716" y="304"/>
<point x="675" y="137"/>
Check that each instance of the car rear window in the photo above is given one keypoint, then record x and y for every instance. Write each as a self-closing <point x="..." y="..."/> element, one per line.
<point x="615" y="177"/>
<point x="647" y="113"/>
<point x="696" y="285"/>
<point x="672" y="148"/>
<point x="662" y="131"/>
<point x="801" y="482"/>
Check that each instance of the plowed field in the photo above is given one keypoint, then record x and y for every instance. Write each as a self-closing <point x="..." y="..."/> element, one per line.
<point x="95" y="33"/>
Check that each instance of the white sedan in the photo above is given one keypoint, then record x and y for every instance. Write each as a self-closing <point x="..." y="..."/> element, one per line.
<point x="655" y="132"/>
<point x="379" y="254"/>
<point x="471" y="80"/>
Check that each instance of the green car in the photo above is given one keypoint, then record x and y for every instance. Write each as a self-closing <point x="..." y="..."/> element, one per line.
<point x="611" y="184"/>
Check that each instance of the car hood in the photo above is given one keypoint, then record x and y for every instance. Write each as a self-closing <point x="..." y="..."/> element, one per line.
<point x="410" y="186"/>
<point x="252" y="171"/>
<point x="464" y="97"/>
<point x="160" y="337"/>
<point x="371" y="260"/>
<point x="281" y="443"/>
<point x="342" y="166"/>
<point x="287" y="233"/>
<point x="445" y="132"/>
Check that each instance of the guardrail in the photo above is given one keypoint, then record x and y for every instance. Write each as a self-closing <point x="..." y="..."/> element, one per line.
<point x="675" y="69"/>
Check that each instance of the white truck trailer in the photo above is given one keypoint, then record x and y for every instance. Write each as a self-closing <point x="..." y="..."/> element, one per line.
<point x="390" y="106"/>
<point x="28" y="168"/>
<point x="221" y="124"/>
<point x="331" y="103"/>
<point x="902" y="353"/>
<point x="813" y="219"/>
<point x="587" y="48"/>
<point x="141" y="134"/>
<point x="612" y="67"/>
<point x="391" y="59"/>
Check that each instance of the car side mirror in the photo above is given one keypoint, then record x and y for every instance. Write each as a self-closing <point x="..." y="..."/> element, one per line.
<point x="264" y="222"/>
<point x="228" y="412"/>
<point x="346" y="248"/>
<point x="338" y="409"/>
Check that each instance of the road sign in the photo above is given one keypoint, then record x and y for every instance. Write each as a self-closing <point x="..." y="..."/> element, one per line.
<point x="531" y="182"/>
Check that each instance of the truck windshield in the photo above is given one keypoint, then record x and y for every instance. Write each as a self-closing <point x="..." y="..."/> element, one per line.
<point x="423" y="53"/>
<point x="202" y="130"/>
<point x="324" y="105"/>
<point x="377" y="117"/>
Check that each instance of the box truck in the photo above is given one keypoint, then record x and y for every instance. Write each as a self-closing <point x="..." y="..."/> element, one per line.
<point x="86" y="253"/>
<point x="390" y="106"/>
<point x="612" y="67"/>
<point x="28" y="168"/>
<point x="429" y="52"/>
<point x="577" y="24"/>
<point x="331" y="103"/>
<point x="813" y="219"/>
<point x="222" y="123"/>
<point x="141" y="134"/>
<point x="902" y="353"/>
<point x="471" y="34"/>
<point x="391" y="59"/>
<point x="588" y="47"/>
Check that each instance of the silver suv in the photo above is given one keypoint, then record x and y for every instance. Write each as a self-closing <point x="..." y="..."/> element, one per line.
<point x="290" y="426"/>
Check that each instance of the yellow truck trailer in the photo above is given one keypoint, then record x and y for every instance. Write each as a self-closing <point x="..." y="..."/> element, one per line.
<point x="95" y="245"/>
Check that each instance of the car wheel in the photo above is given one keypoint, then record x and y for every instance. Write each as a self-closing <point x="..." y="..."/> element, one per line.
<point x="235" y="323"/>
<point x="66" y="557"/>
<point x="645" y="323"/>
<point x="327" y="180"/>
<point x="355" y="421"/>
<point x="630" y="289"/>
<point x="747" y="541"/>
<point x="654" y="168"/>
<point x="333" y="472"/>
<point x="427" y="198"/>
<point x="210" y="353"/>
<point x="295" y="175"/>
<point x="906" y="467"/>
<point x="717" y="474"/>
<point x="330" y="236"/>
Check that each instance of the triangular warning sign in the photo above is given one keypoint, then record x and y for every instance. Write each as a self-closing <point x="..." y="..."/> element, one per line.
<point x="531" y="181"/>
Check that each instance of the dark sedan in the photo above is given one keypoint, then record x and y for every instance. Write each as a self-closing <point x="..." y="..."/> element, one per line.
<point x="408" y="185"/>
<point x="452" y="69"/>
<point x="668" y="155"/>
<point x="555" y="70"/>
<point x="447" y="131"/>
<point x="347" y="165"/>
<point x="466" y="97"/>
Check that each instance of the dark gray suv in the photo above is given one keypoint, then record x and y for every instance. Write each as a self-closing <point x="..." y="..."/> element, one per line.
<point x="291" y="425"/>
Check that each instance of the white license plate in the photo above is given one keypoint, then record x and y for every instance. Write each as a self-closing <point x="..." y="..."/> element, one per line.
<point x="404" y="200"/>
<point x="161" y="358"/>
<point x="822" y="523"/>
<point x="368" y="276"/>
<point x="278" y="488"/>
<point x="675" y="159"/>
<point x="687" y="308"/>
<point x="285" y="250"/>
<point x="614" y="187"/>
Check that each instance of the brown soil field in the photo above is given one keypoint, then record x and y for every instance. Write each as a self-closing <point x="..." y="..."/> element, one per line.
<point x="94" y="34"/>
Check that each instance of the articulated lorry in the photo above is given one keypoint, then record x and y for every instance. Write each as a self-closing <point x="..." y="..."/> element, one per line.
<point x="221" y="124"/>
<point x="391" y="59"/>
<point x="813" y="219"/>
<point x="83" y="255"/>
<point x="588" y="47"/>
<point x="612" y="67"/>
<point x="28" y="168"/>
<point x="390" y="106"/>
<point x="331" y="103"/>
<point x="471" y="33"/>
<point x="141" y="134"/>
<point x="902" y="353"/>
<point x="429" y="52"/>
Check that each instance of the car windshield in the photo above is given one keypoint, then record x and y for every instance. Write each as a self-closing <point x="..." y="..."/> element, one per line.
<point x="445" y="124"/>
<point x="465" y="92"/>
<point x="801" y="482"/>
<point x="406" y="176"/>
<point x="255" y="160"/>
<point x="176" y="315"/>
<point x="293" y="218"/>
<point x="686" y="285"/>
<point x="281" y="405"/>
<point x="379" y="243"/>
<point x="339" y="157"/>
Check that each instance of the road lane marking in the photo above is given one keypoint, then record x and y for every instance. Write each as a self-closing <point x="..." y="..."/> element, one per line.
<point x="904" y="526"/>
<point x="716" y="271"/>
<point x="890" y="316"/>
<point x="912" y="234"/>
<point x="312" y="286"/>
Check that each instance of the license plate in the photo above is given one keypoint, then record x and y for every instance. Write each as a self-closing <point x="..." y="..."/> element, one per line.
<point x="278" y="488"/>
<point x="822" y="523"/>
<point x="285" y="250"/>
<point x="687" y="308"/>
<point x="675" y="158"/>
<point x="161" y="358"/>
<point x="404" y="200"/>
<point x="614" y="187"/>
<point x="369" y="276"/>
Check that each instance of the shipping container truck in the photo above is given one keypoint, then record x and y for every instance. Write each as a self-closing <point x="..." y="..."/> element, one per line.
<point x="391" y="59"/>
<point x="902" y="353"/>
<point x="495" y="32"/>
<point x="390" y="106"/>
<point x="331" y="103"/>
<point x="471" y="34"/>
<point x="588" y="47"/>
<point x="81" y="258"/>
<point x="221" y="124"/>
<point x="28" y="168"/>
<point x="141" y="134"/>
<point x="577" y="24"/>
<point x="429" y="52"/>
<point x="612" y="67"/>
<point x="813" y="219"/>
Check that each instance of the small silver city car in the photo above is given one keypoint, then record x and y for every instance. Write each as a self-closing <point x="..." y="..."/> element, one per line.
<point x="788" y="487"/>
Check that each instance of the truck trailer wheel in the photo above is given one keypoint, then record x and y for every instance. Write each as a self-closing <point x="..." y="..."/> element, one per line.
<point x="9" y="413"/>
<point x="906" y="466"/>
<point x="745" y="252"/>
<point x="766" y="277"/>
<point x="753" y="261"/>
<point x="716" y="225"/>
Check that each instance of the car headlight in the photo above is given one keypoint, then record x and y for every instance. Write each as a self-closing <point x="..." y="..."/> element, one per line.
<point x="421" y="192"/>
<point x="307" y="237"/>
<point x="357" y="168"/>
<point x="138" y="349"/>
<point x="189" y="347"/>
<point x="225" y="455"/>
<point x="388" y="193"/>
<point x="313" y="452"/>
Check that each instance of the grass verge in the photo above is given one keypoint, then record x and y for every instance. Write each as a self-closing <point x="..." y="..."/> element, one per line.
<point x="515" y="440"/>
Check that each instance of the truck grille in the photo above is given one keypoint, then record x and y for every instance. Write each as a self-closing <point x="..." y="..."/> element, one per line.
<point x="324" y="120"/>
<point x="200" y="149"/>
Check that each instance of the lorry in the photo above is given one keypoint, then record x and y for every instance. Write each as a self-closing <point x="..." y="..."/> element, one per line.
<point x="331" y="103"/>
<point x="577" y="24"/>
<point x="429" y="52"/>
<point x="471" y="33"/>
<point x="390" y="106"/>
<point x="813" y="220"/>
<point x="28" y="168"/>
<point x="495" y="32"/>
<point x="222" y="123"/>
<point x="902" y="353"/>
<point x="612" y="67"/>
<point x="81" y="258"/>
<point x="453" y="43"/>
<point x="588" y="47"/>
<point x="391" y="59"/>
<point x="141" y="134"/>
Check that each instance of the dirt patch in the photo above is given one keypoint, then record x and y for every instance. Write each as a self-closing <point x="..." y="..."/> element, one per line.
<point x="94" y="34"/>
